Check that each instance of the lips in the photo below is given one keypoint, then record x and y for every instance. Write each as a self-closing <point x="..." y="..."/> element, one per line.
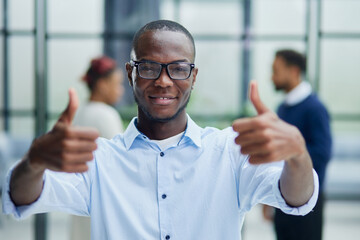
<point x="162" y="100"/>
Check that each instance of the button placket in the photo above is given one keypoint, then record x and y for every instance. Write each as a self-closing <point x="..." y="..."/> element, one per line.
<point x="163" y="187"/>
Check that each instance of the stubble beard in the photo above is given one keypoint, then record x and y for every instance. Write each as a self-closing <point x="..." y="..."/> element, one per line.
<point x="161" y="120"/>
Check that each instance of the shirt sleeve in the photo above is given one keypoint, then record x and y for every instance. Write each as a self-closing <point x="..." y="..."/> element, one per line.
<point x="260" y="184"/>
<point x="67" y="192"/>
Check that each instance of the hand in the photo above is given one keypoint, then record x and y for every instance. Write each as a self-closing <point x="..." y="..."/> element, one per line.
<point x="65" y="148"/>
<point x="265" y="137"/>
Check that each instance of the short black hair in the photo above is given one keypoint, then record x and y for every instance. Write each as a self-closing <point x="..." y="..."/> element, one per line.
<point x="165" y="25"/>
<point x="293" y="58"/>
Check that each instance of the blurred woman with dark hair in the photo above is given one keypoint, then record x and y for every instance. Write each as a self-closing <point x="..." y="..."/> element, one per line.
<point x="104" y="81"/>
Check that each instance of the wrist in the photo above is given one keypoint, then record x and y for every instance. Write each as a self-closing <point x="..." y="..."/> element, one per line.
<point x="33" y="166"/>
<point x="300" y="152"/>
<point x="33" y="161"/>
<point x="300" y="162"/>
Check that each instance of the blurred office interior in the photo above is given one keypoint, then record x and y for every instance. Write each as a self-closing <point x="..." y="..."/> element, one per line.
<point x="45" y="47"/>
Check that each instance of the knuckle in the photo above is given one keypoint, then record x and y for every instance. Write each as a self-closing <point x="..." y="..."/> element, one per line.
<point x="237" y="140"/>
<point x="64" y="144"/>
<point x="266" y="134"/>
<point x="271" y="115"/>
<point x="236" y="122"/>
<point x="244" y="150"/>
<point x="93" y="146"/>
<point x="260" y="122"/>
<point x="268" y="147"/>
<point x="84" y="168"/>
<point x="67" y="132"/>
<point x="65" y="157"/>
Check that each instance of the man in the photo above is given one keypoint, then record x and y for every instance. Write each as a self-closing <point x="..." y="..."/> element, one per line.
<point x="303" y="109"/>
<point x="165" y="177"/>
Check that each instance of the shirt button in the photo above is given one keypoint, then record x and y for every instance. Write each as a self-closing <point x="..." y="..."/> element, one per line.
<point x="167" y="237"/>
<point x="163" y="196"/>
<point x="162" y="154"/>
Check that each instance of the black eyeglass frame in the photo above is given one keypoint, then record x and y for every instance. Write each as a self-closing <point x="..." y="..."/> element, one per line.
<point x="163" y="65"/>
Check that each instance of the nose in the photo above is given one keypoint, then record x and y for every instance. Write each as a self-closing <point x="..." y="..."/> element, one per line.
<point x="164" y="80"/>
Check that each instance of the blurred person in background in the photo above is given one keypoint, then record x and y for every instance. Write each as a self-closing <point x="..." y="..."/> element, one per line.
<point x="303" y="109"/>
<point x="104" y="81"/>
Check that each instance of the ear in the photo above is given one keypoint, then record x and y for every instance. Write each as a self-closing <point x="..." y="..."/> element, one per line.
<point x="295" y="71"/>
<point x="129" y="70"/>
<point x="100" y="83"/>
<point x="194" y="75"/>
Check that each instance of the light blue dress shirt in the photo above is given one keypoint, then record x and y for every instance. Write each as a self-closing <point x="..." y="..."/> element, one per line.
<point x="199" y="189"/>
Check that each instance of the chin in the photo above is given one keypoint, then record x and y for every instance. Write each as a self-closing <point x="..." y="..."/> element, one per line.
<point x="161" y="117"/>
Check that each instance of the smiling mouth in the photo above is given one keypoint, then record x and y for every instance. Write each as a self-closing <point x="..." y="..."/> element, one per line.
<point x="162" y="100"/>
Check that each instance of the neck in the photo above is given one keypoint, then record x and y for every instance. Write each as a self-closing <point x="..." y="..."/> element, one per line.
<point x="96" y="98"/>
<point x="158" y="130"/>
<point x="293" y="85"/>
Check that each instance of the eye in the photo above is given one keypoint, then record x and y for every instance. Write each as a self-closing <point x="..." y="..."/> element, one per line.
<point x="148" y="67"/>
<point x="179" y="67"/>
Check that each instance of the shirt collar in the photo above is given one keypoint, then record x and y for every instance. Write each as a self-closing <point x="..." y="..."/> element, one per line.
<point x="192" y="131"/>
<point x="298" y="94"/>
<point x="131" y="133"/>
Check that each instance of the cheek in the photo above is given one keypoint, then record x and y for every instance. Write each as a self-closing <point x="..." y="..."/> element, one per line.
<point x="277" y="77"/>
<point x="139" y="88"/>
<point x="185" y="90"/>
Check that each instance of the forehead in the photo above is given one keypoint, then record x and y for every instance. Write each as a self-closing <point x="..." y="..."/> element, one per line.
<point x="164" y="46"/>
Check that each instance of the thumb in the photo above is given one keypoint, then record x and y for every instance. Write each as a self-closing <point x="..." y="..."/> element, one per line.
<point x="255" y="98"/>
<point x="68" y="115"/>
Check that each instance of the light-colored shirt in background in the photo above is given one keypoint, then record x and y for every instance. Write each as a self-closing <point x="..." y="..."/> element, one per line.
<point x="298" y="94"/>
<point x="100" y="116"/>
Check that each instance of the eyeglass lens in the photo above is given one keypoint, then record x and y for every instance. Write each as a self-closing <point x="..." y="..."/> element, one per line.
<point x="175" y="70"/>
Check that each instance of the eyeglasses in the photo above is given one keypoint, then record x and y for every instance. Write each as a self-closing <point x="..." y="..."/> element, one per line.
<point x="152" y="70"/>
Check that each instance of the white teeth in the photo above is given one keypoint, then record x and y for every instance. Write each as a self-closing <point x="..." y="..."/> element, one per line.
<point x="164" y="98"/>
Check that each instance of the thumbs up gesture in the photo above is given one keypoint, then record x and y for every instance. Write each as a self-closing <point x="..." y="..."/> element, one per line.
<point x="265" y="137"/>
<point x="65" y="148"/>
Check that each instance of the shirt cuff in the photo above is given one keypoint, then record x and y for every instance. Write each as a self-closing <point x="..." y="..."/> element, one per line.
<point x="20" y="212"/>
<point x="302" y="210"/>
